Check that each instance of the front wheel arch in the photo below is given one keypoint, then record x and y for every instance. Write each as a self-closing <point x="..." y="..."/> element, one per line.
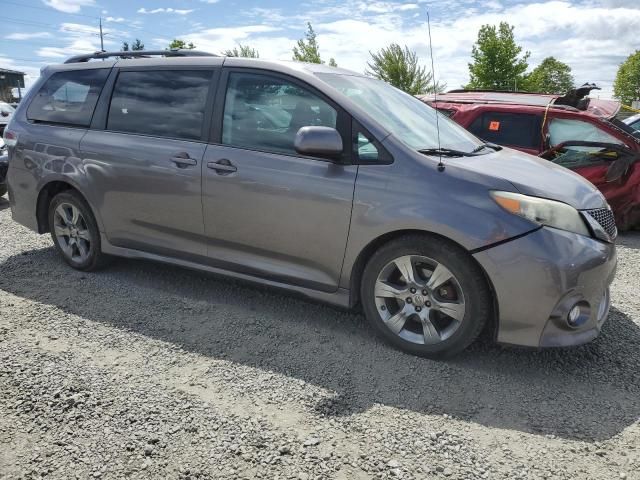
<point x="357" y="271"/>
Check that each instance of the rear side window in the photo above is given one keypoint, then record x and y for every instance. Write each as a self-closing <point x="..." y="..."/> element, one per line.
<point x="165" y="103"/>
<point x="511" y="129"/>
<point x="68" y="97"/>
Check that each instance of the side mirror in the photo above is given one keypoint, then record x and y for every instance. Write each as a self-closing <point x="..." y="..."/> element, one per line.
<point x="318" y="141"/>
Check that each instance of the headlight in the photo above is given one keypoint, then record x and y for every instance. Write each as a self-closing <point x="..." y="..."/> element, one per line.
<point x="542" y="211"/>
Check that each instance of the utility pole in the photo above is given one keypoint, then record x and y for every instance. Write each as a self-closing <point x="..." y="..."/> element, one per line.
<point x="101" y="37"/>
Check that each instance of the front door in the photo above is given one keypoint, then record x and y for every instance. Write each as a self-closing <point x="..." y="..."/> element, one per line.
<point x="270" y="212"/>
<point x="146" y="166"/>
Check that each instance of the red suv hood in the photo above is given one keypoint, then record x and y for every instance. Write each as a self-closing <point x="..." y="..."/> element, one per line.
<point x="535" y="176"/>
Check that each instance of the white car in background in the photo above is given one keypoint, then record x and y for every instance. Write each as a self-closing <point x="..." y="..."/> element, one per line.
<point x="6" y="111"/>
<point x="633" y="122"/>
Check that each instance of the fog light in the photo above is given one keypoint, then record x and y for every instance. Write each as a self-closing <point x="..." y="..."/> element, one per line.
<point x="578" y="315"/>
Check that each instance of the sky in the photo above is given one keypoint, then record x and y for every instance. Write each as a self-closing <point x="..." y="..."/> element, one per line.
<point x="592" y="36"/>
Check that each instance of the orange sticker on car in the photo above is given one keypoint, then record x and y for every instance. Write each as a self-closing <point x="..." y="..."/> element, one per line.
<point x="494" y="126"/>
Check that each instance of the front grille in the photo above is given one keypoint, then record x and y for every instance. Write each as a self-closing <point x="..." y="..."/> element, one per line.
<point x="604" y="216"/>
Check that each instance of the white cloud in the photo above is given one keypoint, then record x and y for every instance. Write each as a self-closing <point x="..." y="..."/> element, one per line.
<point x="27" y="36"/>
<point x="77" y="38"/>
<point x="115" y="19"/>
<point x="164" y="10"/>
<point x="218" y="39"/>
<point x="386" y="7"/>
<point x="68" y="6"/>
<point x="210" y="1"/>
<point x="594" y="42"/>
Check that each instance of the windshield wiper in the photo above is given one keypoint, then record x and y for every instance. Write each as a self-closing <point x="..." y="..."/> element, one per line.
<point x="490" y="145"/>
<point x="447" y="152"/>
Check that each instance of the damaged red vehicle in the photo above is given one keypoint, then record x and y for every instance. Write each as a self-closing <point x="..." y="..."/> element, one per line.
<point x="575" y="131"/>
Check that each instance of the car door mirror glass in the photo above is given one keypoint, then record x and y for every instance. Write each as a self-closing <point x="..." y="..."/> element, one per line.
<point x="318" y="141"/>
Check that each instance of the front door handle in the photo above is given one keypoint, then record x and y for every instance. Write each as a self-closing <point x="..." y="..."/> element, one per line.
<point x="183" y="160"/>
<point x="222" y="167"/>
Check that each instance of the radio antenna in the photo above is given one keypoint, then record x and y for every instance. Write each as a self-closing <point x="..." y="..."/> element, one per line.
<point x="435" y="95"/>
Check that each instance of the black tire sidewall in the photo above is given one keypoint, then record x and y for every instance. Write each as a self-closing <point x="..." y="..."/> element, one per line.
<point x="77" y="201"/>
<point x="476" y="293"/>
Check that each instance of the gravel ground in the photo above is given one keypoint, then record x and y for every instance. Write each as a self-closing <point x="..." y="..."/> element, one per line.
<point x="151" y="371"/>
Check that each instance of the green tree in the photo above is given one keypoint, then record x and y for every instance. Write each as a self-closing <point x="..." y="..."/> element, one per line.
<point x="137" y="45"/>
<point x="181" y="44"/>
<point x="627" y="84"/>
<point x="400" y="68"/>
<point x="497" y="63"/>
<point x="308" y="50"/>
<point x="551" y="76"/>
<point x="242" y="51"/>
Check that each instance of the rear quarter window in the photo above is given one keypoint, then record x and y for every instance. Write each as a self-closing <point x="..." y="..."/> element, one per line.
<point x="511" y="129"/>
<point x="68" y="98"/>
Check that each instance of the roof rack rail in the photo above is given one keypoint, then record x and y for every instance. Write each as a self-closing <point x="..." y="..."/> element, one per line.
<point x="489" y="90"/>
<point x="140" y="54"/>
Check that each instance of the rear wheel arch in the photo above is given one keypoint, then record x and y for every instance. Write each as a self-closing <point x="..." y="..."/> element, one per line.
<point x="357" y="270"/>
<point x="46" y="194"/>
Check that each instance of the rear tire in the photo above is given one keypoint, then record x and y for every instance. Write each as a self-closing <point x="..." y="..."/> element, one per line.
<point x="75" y="232"/>
<point x="443" y="306"/>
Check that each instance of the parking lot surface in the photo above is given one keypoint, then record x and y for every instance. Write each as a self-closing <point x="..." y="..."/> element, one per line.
<point x="145" y="370"/>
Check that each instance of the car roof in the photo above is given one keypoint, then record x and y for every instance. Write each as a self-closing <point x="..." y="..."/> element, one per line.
<point x="595" y="107"/>
<point x="284" y="66"/>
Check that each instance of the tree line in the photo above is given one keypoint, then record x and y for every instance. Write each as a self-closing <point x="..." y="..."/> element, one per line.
<point x="498" y="63"/>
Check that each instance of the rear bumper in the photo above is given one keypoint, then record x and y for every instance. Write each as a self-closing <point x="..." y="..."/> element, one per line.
<point x="538" y="278"/>
<point x="23" y="196"/>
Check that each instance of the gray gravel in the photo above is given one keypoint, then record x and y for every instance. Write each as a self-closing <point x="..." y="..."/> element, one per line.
<point x="151" y="371"/>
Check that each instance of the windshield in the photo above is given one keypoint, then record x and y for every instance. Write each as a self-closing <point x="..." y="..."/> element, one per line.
<point x="404" y="116"/>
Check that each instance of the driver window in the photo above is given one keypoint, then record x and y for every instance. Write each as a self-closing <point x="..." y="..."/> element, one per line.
<point x="563" y="130"/>
<point x="265" y="113"/>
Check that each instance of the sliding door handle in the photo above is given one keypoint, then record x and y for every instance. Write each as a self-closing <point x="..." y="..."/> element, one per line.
<point x="183" y="160"/>
<point x="222" y="167"/>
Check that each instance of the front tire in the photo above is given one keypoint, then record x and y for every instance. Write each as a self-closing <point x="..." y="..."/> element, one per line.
<point x="425" y="295"/>
<point x="74" y="231"/>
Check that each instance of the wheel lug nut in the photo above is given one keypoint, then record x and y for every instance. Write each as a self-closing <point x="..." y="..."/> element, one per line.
<point x="428" y="304"/>
<point x="412" y="290"/>
<point x="418" y="309"/>
<point x="424" y="292"/>
<point x="408" y="299"/>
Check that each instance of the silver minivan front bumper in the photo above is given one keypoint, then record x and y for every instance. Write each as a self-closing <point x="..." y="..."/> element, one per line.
<point x="539" y="278"/>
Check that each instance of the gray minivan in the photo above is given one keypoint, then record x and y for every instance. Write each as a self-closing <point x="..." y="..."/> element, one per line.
<point x="318" y="180"/>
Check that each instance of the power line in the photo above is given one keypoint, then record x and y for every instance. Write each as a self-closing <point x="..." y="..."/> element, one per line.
<point x="47" y="9"/>
<point x="49" y="26"/>
<point x="46" y="26"/>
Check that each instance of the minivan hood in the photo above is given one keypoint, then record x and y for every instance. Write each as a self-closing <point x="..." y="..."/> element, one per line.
<point x="535" y="176"/>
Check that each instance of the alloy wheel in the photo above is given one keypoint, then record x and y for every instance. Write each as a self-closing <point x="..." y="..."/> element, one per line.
<point x="72" y="232"/>
<point x="419" y="299"/>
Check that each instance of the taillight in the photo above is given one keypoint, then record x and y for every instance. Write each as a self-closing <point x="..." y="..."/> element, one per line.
<point x="10" y="138"/>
